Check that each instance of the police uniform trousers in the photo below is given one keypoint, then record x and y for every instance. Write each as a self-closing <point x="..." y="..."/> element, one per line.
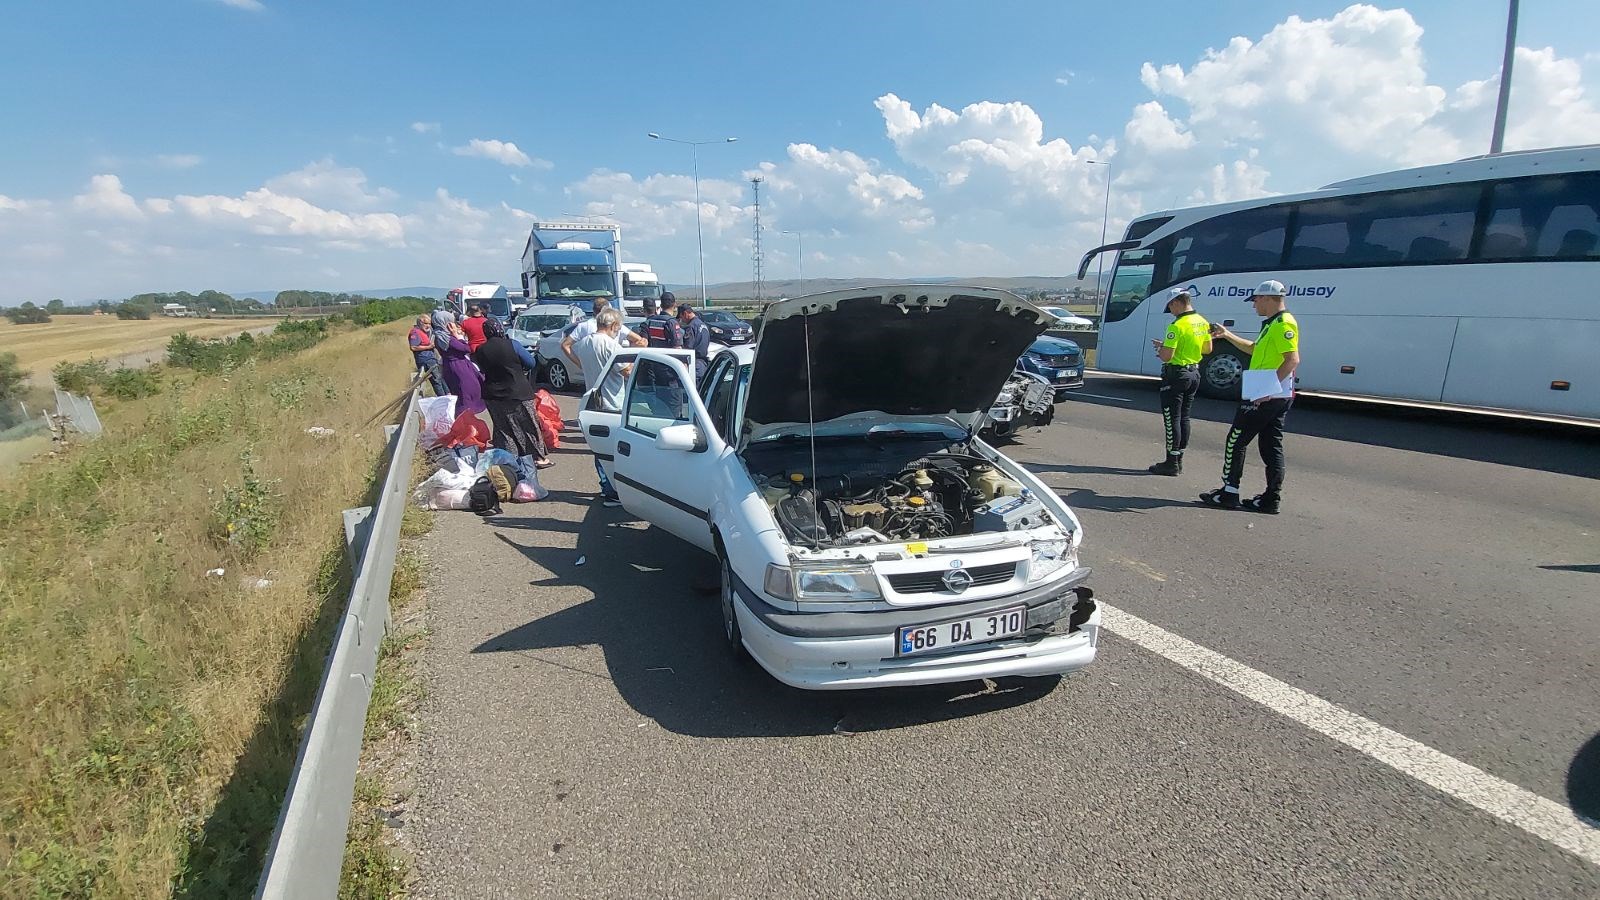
<point x="1263" y="421"/>
<point x="1179" y="385"/>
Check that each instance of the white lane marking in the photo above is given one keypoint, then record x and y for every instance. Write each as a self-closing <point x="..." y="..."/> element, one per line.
<point x="1505" y="801"/>
<point x="1101" y="397"/>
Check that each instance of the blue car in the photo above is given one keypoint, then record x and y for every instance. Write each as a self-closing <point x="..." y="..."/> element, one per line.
<point x="1058" y="360"/>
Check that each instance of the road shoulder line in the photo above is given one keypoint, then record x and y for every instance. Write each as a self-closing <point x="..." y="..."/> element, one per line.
<point x="1536" y="815"/>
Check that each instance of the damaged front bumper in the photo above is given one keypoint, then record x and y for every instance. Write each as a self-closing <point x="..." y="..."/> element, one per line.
<point x="853" y="650"/>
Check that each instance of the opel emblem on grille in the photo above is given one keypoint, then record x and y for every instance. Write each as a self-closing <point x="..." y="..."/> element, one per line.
<point x="957" y="580"/>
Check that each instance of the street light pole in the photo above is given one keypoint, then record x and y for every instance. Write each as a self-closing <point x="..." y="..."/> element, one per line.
<point x="699" y="233"/>
<point x="800" y="257"/>
<point x="1499" y="138"/>
<point x="1100" y="259"/>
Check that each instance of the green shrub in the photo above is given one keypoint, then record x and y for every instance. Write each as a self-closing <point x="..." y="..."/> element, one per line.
<point x="131" y="384"/>
<point x="244" y="519"/>
<point x="79" y="377"/>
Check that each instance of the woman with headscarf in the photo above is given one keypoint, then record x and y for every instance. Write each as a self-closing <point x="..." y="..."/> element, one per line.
<point x="509" y="394"/>
<point x="460" y="375"/>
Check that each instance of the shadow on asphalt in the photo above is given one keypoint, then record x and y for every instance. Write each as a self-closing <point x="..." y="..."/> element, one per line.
<point x="665" y="652"/>
<point x="1591" y="569"/>
<point x="1083" y="498"/>
<point x="1565" y="449"/>
<point x="1583" y="781"/>
<point x="1044" y="468"/>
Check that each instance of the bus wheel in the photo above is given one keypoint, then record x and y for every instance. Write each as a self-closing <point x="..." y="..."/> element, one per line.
<point x="1221" y="374"/>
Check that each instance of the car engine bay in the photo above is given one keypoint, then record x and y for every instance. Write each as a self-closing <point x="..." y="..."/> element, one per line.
<point x="879" y="496"/>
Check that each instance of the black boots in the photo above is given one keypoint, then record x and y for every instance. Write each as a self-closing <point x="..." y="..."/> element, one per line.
<point x="1173" y="465"/>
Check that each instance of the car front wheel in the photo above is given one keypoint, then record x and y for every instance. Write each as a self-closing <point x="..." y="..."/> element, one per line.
<point x="730" y="616"/>
<point x="556" y="374"/>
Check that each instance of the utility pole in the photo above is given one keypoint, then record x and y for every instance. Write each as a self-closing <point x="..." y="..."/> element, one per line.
<point x="1499" y="138"/>
<point x="755" y="256"/>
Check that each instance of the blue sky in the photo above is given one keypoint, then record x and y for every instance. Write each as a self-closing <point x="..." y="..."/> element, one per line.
<point x="234" y="144"/>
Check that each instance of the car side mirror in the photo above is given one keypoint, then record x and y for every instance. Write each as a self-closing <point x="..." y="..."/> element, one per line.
<point x="685" y="438"/>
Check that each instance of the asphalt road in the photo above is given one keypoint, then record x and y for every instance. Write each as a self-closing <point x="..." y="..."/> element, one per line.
<point x="584" y="733"/>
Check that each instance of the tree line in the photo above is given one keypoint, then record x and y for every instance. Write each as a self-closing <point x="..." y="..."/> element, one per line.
<point x="205" y="303"/>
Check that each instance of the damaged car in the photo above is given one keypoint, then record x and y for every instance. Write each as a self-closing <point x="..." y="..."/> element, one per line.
<point x="1026" y="401"/>
<point x="867" y="535"/>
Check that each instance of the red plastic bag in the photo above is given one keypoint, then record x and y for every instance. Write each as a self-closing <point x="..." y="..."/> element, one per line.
<point x="468" y="430"/>
<point x="549" y="419"/>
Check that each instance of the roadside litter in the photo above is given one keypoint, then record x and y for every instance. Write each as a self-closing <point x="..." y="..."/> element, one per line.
<point x="320" y="431"/>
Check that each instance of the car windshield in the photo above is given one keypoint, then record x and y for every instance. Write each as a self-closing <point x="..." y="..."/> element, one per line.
<point x="575" y="284"/>
<point x="720" y="317"/>
<point x="1052" y="348"/>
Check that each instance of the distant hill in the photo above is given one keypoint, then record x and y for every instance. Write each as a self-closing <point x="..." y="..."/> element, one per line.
<point x="375" y="293"/>
<point x="738" y="290"/>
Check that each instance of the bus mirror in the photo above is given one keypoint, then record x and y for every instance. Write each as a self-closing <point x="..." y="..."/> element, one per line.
<point x="1083" y="267"/>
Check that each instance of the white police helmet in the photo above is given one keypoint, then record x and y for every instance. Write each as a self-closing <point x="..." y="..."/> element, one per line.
<point x="1269" y="288"/>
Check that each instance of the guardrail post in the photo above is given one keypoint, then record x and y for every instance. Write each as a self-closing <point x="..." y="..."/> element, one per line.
<point x="357" y="526"/>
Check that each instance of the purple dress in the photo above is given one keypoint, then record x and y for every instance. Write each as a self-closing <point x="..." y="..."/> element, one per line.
<point x="462" y="377"/>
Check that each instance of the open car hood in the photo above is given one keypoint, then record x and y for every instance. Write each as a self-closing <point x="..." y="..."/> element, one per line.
<point x="913" y="351"/>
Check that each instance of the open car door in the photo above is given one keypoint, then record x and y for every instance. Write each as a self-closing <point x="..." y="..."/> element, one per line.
<point x="600" y="424"/>
<point x="666" y="452"/>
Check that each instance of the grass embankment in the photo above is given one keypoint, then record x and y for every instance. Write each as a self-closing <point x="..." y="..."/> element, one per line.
<point x="73" y="338"/>
<point x="150" y="712"/>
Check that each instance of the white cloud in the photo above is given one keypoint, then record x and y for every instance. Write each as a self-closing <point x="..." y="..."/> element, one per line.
<point x="105" y="198"/>
<point x="1152" y="129"/>
<point x="1066" y="78"/>
<point x="425" y="127"/>
<point x="265" y="212"/>
<point x="326" y="183"/>
<point x="502" y="152"/>
<point x="179" y="160"/>
<point x="249" y="5"/>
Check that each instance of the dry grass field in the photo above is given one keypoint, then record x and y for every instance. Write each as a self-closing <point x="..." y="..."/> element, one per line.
<point x="150" y="712"/>
<point x="74" y="338"/>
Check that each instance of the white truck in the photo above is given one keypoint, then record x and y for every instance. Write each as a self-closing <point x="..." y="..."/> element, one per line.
<point x="572" y="263"/>
<point x="638" y="285"/>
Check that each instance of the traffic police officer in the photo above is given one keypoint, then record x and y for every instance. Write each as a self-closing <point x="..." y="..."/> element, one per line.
<point x="696" y="337"/>
<point x="1277" y="350"/>
<point x="1188" y="340"/>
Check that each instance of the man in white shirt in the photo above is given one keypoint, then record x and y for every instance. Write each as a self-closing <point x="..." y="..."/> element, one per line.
<point x="594" y="354"/>
<point x="586" y="328"/>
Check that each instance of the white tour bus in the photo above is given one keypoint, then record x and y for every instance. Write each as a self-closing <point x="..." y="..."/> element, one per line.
<point x="1474" y="284"/>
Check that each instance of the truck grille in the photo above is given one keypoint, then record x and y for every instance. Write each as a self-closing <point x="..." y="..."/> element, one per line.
<point x="928" y="582"/>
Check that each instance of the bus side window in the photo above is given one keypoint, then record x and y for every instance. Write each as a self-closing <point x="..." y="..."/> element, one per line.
<point x="1545" y="217"/>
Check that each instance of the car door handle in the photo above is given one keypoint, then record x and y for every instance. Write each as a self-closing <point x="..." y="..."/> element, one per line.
<point x="599" y="431"/>
<point x="624" y="448"/>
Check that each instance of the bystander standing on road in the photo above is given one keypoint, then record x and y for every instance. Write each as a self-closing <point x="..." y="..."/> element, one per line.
<point x="696" y="337"/>
<point x="1267" y="392"/>
<point x="460" y="375"/>
<point x="509" y="394"/>
<point x="588" y="327"/>
<point x="422" y="353"/>
<point x="477" y="315"/>
<point x="1187" y="341"/>
<point x="594" y="354"/>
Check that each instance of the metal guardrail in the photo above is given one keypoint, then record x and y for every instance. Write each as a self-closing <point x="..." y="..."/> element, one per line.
<point x="307" y="847"/>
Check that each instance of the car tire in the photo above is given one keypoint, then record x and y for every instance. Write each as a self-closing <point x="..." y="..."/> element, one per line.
<point x="732" y="636"/>
<point x="556" y="373"/>
<point x="1222" y="375"/>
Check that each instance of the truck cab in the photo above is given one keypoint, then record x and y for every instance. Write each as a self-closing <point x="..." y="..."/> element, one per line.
<point x="639" y="284"/>
<point x="570" y="263"/>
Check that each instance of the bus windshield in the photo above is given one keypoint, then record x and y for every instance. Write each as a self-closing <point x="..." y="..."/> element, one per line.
<point x="575" y="284"/>
<point x="1130" y="283"/>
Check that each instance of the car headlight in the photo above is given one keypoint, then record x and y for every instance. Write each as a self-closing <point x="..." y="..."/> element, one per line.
<point x="842" y="582"/>
<point x="1049" y="556"/>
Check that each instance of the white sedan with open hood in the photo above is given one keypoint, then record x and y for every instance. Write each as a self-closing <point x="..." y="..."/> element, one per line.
<point x="866" y="536"/>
